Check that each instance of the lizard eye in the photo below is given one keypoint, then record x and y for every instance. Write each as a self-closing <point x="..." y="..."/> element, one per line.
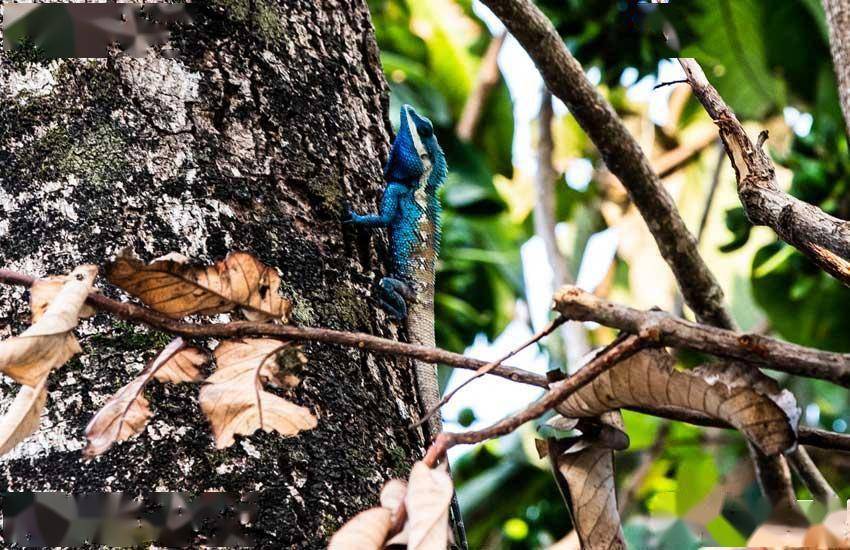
<point x="426" y="131"/>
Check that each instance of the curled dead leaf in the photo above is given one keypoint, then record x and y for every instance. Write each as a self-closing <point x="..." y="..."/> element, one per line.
<point x="392" y="495"/>
<point x="366" y="531"/>
<point x="176" y="288"/>
<point x="127" y="412"/>
<point x="585" y="475"/>
<point x="44" y="290"/>
<point x="49" y="342"/>
<point x="648" y="379"/>
<point x="233" y="398"/>
<point x="23" y="417"/>
<point x="369" y="529"/>
<point x="429" y="493"/>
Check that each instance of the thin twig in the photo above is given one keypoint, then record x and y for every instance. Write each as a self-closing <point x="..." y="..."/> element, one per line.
<point x="558" y="321"/>
<point x="670" y="83"/>
<point x="814" y="437"/>
<point x="622" y="348"/>
<point x="808" y="470"/>
<point x="712" y="191"/>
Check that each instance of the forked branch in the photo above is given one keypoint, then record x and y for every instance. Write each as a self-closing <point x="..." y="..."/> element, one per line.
<point x="823" y="238"/>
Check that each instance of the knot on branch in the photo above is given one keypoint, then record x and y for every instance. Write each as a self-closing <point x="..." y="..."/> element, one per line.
<point x="753" y="343"/>
<point x="651" y="327"/>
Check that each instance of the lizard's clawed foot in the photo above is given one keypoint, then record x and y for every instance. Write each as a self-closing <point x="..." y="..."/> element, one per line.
<point x="393" y="294"/>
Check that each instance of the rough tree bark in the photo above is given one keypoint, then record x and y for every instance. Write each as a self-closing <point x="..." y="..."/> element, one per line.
<point x="269" y="117"/>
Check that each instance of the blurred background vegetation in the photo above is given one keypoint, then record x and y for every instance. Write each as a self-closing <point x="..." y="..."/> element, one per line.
<point x="770" y="60"/>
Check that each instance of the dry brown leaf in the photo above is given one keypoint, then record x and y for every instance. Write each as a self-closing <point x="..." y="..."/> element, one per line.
<point x="587" y="483"/>
<point x="737" y="375"/>
<point x="176" y="288"/>
<point x="369" y="529"/>
<point x="429" y="493"/>
<point x="49" y="343"/>
<point x="23" y="417"/>
<point x="234" y="400"/>
<point x="366" y="531"/>
<point x="44" y="290"/>
<point x="393" y="493"/>
<point x="127" y="412"/>
<point x="648" y="379"/>
<point x="183" y="366"/>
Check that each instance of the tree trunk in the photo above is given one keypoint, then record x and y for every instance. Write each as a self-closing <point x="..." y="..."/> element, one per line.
<point x="838" y="18"/>
<point x="253" y="137"/>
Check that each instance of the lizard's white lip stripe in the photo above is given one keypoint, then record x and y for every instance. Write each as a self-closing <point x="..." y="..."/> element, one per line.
<point x="417" y="141"/>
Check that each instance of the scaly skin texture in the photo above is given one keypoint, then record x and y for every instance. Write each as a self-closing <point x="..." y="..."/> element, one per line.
<point x="410" y="210"/>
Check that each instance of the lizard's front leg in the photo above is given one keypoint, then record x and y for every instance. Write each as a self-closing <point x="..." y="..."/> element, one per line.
<point x="389" y="209"/>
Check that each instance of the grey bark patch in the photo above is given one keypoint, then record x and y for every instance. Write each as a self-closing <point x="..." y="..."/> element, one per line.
<point x="253" y="147"/>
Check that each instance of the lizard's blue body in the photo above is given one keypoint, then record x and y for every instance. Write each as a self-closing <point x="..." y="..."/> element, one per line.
<point x="410" y="209"/>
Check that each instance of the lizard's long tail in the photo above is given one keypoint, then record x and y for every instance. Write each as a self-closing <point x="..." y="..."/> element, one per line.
<point x="420" y="328"/>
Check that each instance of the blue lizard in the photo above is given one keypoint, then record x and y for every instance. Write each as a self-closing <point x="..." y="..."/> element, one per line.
<point x="410" y="209"/>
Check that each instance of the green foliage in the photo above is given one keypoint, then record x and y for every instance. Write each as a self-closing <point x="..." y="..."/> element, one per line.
<point x="600" y="33"/>
<point x="699" y="475"/>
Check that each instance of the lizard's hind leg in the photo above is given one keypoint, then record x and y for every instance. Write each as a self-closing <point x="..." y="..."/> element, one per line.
<point x="395" y="294"/>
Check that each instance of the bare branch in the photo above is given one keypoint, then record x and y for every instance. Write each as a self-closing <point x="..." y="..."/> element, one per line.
<point x="823" y="238"/>
<point x="565" y="77"/>
<point x="488" y="78"/>
<point x="838" y="18"/>
<point x="138" y="314"/>
<point x="620" y="349"/>
<point x="813" y="478"/>
<point x="574" y="303"/>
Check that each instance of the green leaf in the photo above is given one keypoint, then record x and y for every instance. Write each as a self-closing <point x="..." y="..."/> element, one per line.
<point x="740" y="226"/>
<point x="641" y="428"/>
<point x="466" y="417"/>
<point x="731" y="48"/>
<point x="724" y="533"/>
<point x="695" y="478"/>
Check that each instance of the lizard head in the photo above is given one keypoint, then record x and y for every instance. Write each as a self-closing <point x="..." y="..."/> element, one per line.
<point x="415" y="151"/>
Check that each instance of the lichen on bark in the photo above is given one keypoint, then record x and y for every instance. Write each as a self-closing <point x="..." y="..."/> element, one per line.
<point x="250" y="137"/>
